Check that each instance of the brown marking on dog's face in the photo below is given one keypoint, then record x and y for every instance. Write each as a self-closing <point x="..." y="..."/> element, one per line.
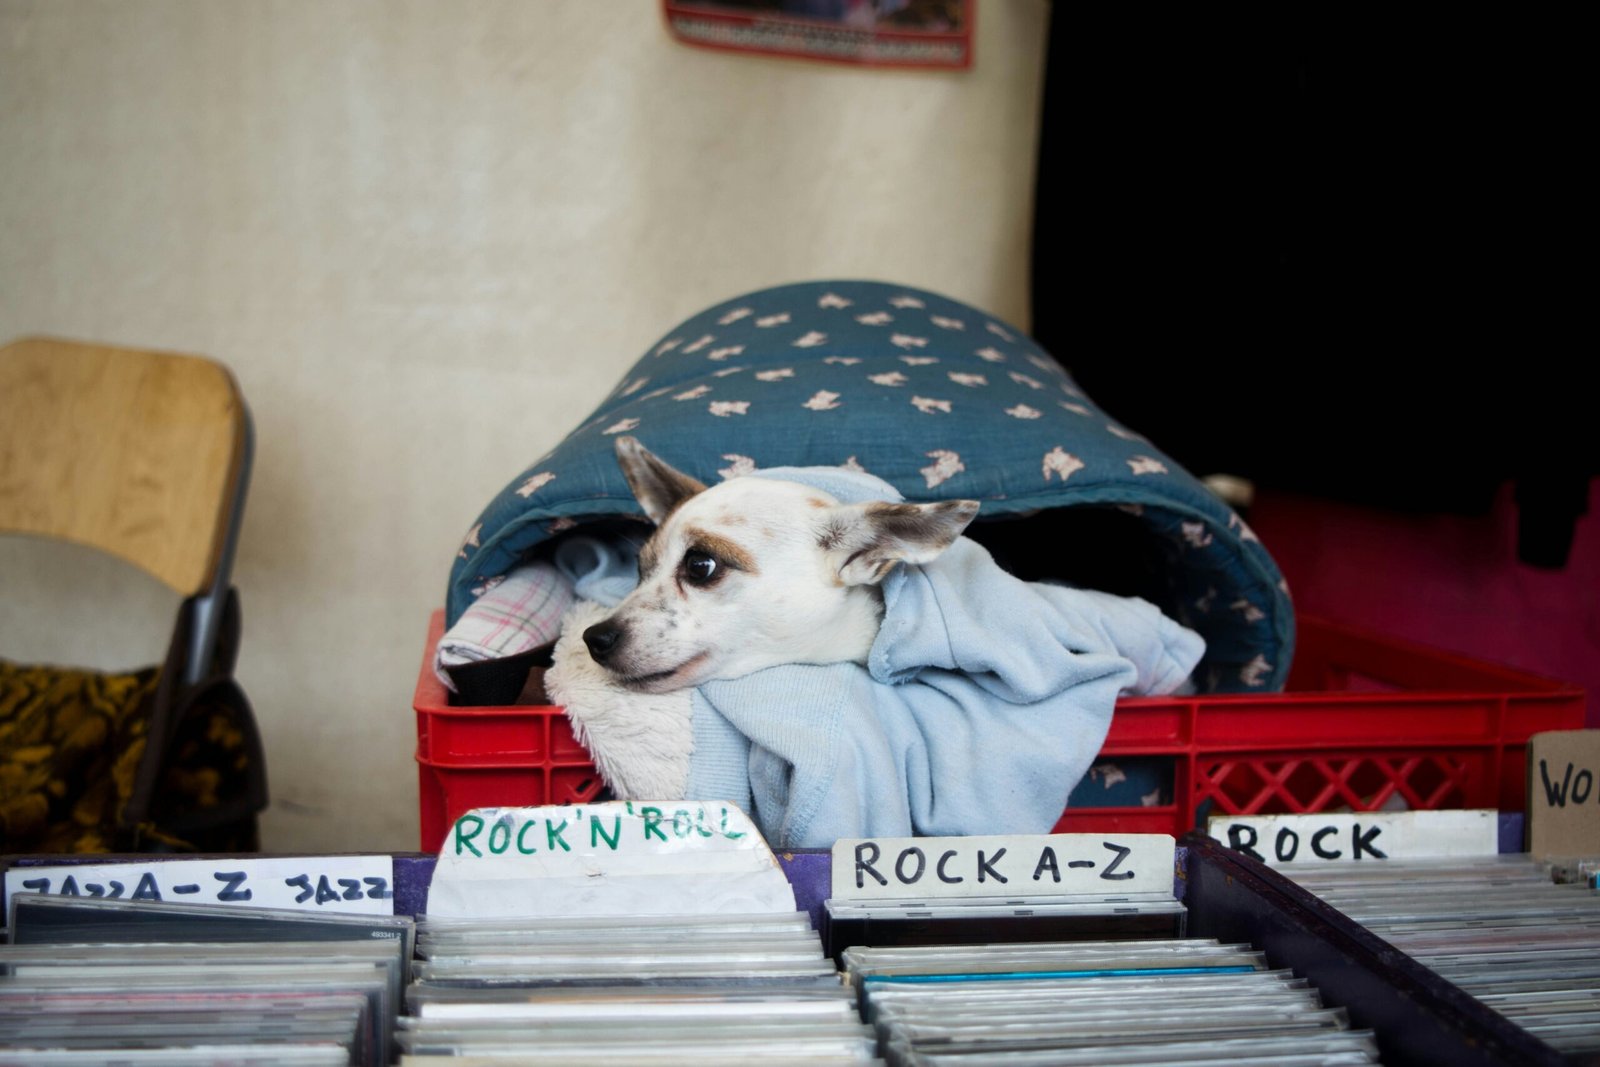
<point x="650" y="554"/>
<point x="729" y="553"/>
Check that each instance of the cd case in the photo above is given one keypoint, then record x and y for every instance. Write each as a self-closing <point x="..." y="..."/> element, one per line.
<point x="1502" y="929"/>
<point x="91" y="981"/>
<point x="703" y="990"/>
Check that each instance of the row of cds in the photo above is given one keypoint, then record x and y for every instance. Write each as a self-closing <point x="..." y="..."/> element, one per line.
<point x="100" y="982"/>
<point x="690" y="990"/>
<point x="86" y="981"/>
<point x="1497" y="927"/>
<point x="1020" y="1005"/>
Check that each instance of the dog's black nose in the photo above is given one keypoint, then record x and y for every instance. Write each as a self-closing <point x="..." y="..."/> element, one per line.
<point x="602" y="639"/>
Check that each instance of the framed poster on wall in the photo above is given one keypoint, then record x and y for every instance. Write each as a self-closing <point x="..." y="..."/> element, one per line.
<point x="882" y="33"/>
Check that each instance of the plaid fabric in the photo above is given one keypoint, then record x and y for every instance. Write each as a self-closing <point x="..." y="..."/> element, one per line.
<point x="515" y="614"/>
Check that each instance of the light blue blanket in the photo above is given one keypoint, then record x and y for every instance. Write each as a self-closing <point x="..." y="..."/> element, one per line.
<point x="984" y="701"/>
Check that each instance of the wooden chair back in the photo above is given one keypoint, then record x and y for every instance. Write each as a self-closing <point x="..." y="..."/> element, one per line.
<point x="143" y="455"/>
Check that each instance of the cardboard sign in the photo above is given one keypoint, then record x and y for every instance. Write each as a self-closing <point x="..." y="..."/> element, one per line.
<point x="1032" y="867"/>
<point x="353" y="885"/>
<point x="618" y="858"/>
<point x="1564" y="793"/>
<point x="1335" y="837"/>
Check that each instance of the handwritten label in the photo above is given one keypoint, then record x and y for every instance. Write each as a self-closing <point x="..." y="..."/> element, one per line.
<point x="1361" y="836"/>
<point x="1014" y="867"/>
<point x="621" y="858"/>
<point x="1564" y="793"/>
<point x="352" y="885"/>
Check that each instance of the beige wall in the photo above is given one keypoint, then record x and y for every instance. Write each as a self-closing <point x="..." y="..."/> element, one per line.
<point x="428" y="238"/>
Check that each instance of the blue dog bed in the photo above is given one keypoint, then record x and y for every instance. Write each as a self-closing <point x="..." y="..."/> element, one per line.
<point x="940" y="400"/>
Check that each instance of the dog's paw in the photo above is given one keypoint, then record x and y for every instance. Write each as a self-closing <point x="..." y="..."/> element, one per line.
<point x="640" y="742"/>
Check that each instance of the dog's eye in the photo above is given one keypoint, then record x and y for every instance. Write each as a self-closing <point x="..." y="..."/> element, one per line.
<point x="699" y="568"/>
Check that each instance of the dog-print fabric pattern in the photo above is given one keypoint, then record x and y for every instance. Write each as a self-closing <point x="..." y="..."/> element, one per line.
<point x="938" y="399"/>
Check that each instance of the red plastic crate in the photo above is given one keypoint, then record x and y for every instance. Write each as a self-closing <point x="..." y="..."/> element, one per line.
<point x="490" y="756"/>
<point x="1365" y="718"/>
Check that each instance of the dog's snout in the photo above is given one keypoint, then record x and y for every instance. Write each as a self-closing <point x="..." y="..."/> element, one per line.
<point x="602" y="639"/>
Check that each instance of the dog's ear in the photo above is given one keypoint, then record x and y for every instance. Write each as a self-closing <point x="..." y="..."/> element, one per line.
<point x="865" y="541"/>
<point x="658" y="487"/>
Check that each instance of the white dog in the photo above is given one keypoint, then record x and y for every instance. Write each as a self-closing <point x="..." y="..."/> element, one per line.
<point x="756" y="572"/>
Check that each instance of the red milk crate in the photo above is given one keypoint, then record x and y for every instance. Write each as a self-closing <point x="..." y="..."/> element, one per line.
<point x="1365" y="719"/>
